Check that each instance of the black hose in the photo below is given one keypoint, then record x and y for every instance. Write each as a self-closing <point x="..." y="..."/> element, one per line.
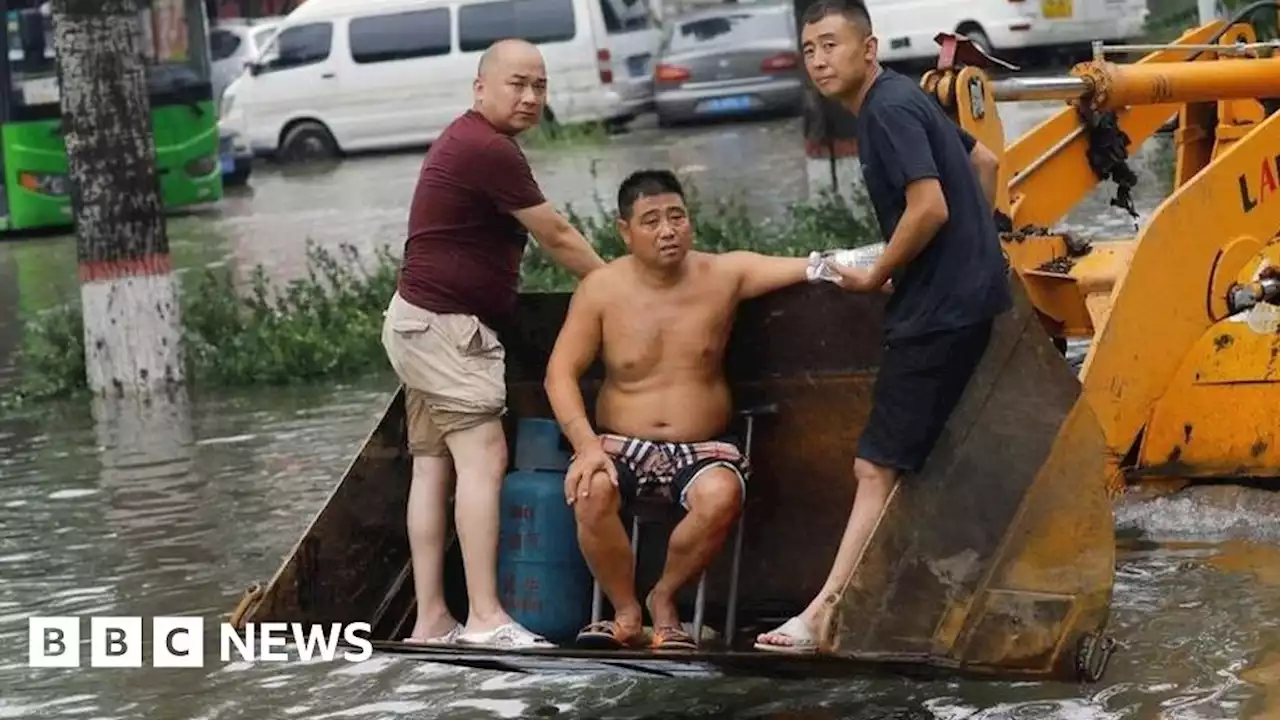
<point x="1241" y="14"/>
<point x="1269" y="105"/>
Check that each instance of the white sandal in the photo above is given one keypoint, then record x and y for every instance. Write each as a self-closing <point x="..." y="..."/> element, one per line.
<point x="446" y="639"/>
<point x="802" y="640"/>
<point x="511" y="636"/>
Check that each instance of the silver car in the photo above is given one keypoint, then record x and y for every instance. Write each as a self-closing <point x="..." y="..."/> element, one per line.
<point x="732" y="60"/>
<point x="233" y="43"/>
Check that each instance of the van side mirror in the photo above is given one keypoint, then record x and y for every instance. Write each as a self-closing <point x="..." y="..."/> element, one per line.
<point x="254" y="67"/>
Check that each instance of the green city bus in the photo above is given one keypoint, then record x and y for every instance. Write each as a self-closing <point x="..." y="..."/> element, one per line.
<point x="184" y="117"/>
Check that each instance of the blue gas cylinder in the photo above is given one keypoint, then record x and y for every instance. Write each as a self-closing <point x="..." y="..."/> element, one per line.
<point x="543" y="580"/>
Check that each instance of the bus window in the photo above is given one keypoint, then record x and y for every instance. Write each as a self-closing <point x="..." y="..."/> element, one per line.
<point x="33" y="76"/>
<point x="175" y="45"/>
<point x="175" y="48"/>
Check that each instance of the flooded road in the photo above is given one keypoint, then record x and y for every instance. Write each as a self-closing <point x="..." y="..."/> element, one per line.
<point x="176" y="509"/>
<point x="177" y="513"/>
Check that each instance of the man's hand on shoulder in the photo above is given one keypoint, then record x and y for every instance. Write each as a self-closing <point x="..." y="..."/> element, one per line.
<point x="559" y="238"/>
<point x="758" y="274"/>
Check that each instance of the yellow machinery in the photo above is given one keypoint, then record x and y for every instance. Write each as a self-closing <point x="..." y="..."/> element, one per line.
<point x="1183" y="372"/>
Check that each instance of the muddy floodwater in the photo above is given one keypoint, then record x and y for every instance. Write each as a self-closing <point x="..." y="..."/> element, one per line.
<point x="175" y="509"/>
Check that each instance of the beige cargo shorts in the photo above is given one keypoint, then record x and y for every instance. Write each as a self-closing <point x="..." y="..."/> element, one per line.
<point x="453" y="367"/>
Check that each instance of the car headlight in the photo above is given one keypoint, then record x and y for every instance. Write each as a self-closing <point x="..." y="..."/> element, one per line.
<point x="202" y="166"/>
<point x="55" y="184"/>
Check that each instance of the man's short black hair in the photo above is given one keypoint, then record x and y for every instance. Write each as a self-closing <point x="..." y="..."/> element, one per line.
<point x="855" y="11"/>
<point x="643" y="183"/>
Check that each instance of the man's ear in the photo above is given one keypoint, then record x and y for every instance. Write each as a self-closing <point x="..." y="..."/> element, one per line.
<point x="624" y="231"/>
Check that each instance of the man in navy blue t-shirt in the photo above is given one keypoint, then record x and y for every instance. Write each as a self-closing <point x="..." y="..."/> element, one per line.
<point x="933" y="188"/>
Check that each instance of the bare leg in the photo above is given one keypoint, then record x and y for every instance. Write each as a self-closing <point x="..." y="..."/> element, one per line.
<point x="480" y="456"/>
<point x="875" y="483"/>
<point x="607" y="551"/>
<point x="428" y="498"/>
<point x="715" y="498"/>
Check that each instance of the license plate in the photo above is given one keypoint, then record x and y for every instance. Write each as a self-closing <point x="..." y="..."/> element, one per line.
<point x="1057" y="9"/>
<point x="228" y="165"/>
<point x="638" y="65"/>
<point x="734" y="103"/>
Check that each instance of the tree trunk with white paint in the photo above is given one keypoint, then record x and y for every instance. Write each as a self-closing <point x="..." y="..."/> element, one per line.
<point x="131" y="319"/>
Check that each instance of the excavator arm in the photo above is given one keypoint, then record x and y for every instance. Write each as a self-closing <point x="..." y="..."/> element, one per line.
<point x="1183" y="364"/>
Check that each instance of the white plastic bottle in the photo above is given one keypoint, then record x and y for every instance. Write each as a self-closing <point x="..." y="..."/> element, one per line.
<point x="860" y="257"/>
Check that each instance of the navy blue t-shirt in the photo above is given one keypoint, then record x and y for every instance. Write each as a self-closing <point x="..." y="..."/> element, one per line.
<point x="960" y="276"/>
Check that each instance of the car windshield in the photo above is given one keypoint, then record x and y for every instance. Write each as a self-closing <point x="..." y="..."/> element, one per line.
<point x="729" y="28"/>
<point x="174" y="43"/>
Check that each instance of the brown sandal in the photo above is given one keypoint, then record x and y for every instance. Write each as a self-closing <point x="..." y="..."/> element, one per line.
<point x="608" y="635"/>
<point x="672" y="637"/>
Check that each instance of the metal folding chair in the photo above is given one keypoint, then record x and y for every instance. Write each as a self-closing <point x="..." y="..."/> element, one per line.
<point x="647" y="512"/>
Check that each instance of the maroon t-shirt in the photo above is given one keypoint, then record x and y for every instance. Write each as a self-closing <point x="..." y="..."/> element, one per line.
<point x="464" y="247"/>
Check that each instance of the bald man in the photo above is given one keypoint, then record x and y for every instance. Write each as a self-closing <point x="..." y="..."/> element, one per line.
<point x="475" y="204"/>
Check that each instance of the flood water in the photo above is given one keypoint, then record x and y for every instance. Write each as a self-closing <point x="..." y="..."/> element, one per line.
<point x="175" y="509"/>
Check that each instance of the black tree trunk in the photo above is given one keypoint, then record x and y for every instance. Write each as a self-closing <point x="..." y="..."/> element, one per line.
<point x="130" y="312"/>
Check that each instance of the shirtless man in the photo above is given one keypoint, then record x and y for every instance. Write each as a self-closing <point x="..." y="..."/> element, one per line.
<point x="661" y="316"/>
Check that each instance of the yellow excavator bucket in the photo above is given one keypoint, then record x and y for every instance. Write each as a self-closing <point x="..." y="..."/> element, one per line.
<point x="999" y="555"/>
<point x="996" y="560"/>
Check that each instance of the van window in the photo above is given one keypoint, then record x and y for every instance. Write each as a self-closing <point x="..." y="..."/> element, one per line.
<point x="622" y="16"/>
<point x="538" y="21"/>
<point x="223" y="44"/>
<point x="299" y="45"/>
<point x="381" y="38"/>
<point x="729" y="28"/>
<point x="263" y="35"/>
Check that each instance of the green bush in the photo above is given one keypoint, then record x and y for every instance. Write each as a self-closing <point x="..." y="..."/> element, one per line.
<point x="721" y="226"/>
<point x="546" y="136"/>
<point x="328" y="324"/>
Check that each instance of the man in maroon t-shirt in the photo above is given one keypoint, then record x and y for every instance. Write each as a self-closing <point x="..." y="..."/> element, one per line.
<point x="475" y="204"/>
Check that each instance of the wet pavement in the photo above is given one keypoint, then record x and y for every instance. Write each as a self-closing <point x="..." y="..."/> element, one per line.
<point x="175" y="510"/>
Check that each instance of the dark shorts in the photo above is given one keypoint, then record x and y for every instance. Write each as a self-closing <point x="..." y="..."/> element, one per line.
<point x="920" y="382"/>
<point x="655" y="469"/>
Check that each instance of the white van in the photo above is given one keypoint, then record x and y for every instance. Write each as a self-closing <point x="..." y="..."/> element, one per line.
<point x="354" y="75"/>
<point x="635" y="37"/>
<point x="906" y="28"/>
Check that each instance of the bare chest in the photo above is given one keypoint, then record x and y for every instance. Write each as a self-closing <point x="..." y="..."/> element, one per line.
<point x="684" y="330"/>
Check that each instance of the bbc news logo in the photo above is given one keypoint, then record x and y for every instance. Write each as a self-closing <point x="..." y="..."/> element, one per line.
<point x="178" y="642"/>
